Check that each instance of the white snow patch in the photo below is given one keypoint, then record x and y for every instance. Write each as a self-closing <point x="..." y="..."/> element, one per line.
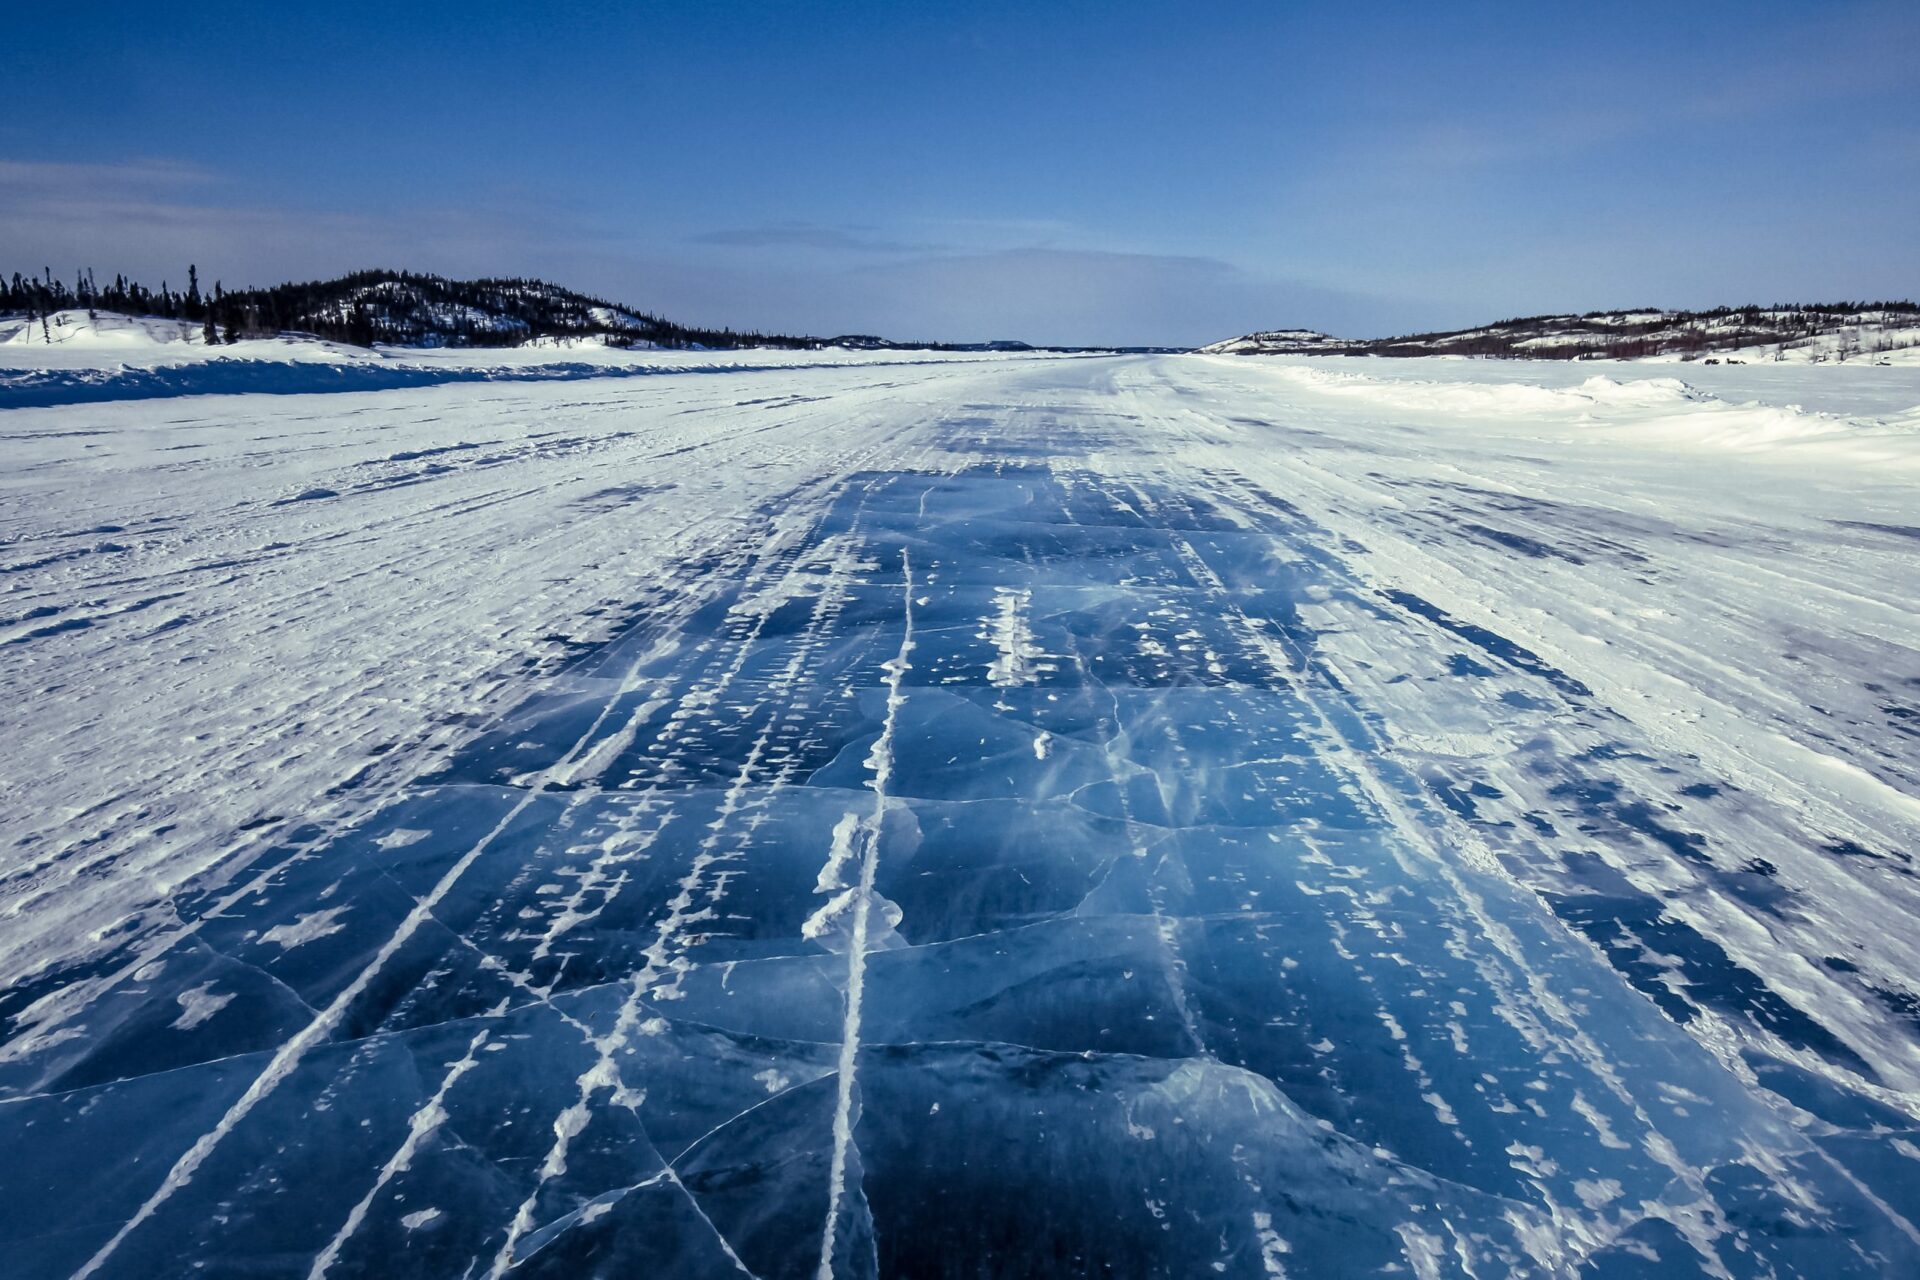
<point x="1010" y="633"/>
<point x="308" y="927"/>
<point x="198" y="1005"/>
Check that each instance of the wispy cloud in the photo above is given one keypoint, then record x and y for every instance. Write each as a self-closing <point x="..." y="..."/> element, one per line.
<point x="802" y="235"/>
<point x="45" y="178"/>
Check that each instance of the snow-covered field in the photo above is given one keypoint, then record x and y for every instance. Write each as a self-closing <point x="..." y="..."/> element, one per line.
<point x="850" y="814"/>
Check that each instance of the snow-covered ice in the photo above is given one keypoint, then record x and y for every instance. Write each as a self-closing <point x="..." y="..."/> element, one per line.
<point x="1170" y="816"/>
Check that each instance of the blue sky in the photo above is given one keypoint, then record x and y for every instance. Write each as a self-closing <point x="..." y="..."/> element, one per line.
<point x="1068" y="172"/>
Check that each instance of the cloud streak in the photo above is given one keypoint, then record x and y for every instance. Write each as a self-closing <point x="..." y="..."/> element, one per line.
<point x="801" y="235"/>
<point x="1069" y="295"/>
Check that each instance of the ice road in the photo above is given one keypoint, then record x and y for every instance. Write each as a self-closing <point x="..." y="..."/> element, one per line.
<point x="1147" y="816"/>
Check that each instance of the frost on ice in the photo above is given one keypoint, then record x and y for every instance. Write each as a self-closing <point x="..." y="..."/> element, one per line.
<point x="1117" y="816"/>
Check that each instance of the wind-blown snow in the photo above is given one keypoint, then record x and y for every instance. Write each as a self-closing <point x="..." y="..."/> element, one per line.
<point x="1143" y="815"/>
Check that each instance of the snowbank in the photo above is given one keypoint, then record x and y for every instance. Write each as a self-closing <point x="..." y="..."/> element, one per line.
<point x="1653" y="410"/>
<point x="83" y="359"/>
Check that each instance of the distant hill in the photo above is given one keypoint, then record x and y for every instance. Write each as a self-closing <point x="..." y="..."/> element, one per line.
<point x="409" y="309"/>
<point x="402" y="308"/>
<point x="868" y="342"/>
<point x="1821" y="331"/>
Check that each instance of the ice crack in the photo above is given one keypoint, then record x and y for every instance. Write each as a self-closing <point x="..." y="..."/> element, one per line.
<point x="880" y="761"/>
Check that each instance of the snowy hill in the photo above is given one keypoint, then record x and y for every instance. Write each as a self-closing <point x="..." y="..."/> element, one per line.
<point x="1276" y="341"/>
<point x="79" y="339"/>
<point x="397" y="308"/>
<point x="383" y="308"/>
<point x="404" y="309"/>
<point x="1886" y="332"/>
<point x="72" y="330"/>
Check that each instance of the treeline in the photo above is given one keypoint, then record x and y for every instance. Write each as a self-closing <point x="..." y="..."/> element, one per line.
<point x="40" y="295"/>
<point x="367" y="307"/>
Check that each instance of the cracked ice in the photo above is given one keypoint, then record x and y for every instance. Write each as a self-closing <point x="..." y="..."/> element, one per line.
<point x="1120" y="816"/>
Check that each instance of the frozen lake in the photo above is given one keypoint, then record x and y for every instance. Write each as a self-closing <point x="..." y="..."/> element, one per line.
<point x="1120" y="816"/>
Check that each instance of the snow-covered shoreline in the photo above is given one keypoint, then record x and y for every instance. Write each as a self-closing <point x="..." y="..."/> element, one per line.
<point x="85" y="359"/>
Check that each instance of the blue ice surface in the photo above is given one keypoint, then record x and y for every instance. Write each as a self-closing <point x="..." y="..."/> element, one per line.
<point x="1150" y="984"/>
